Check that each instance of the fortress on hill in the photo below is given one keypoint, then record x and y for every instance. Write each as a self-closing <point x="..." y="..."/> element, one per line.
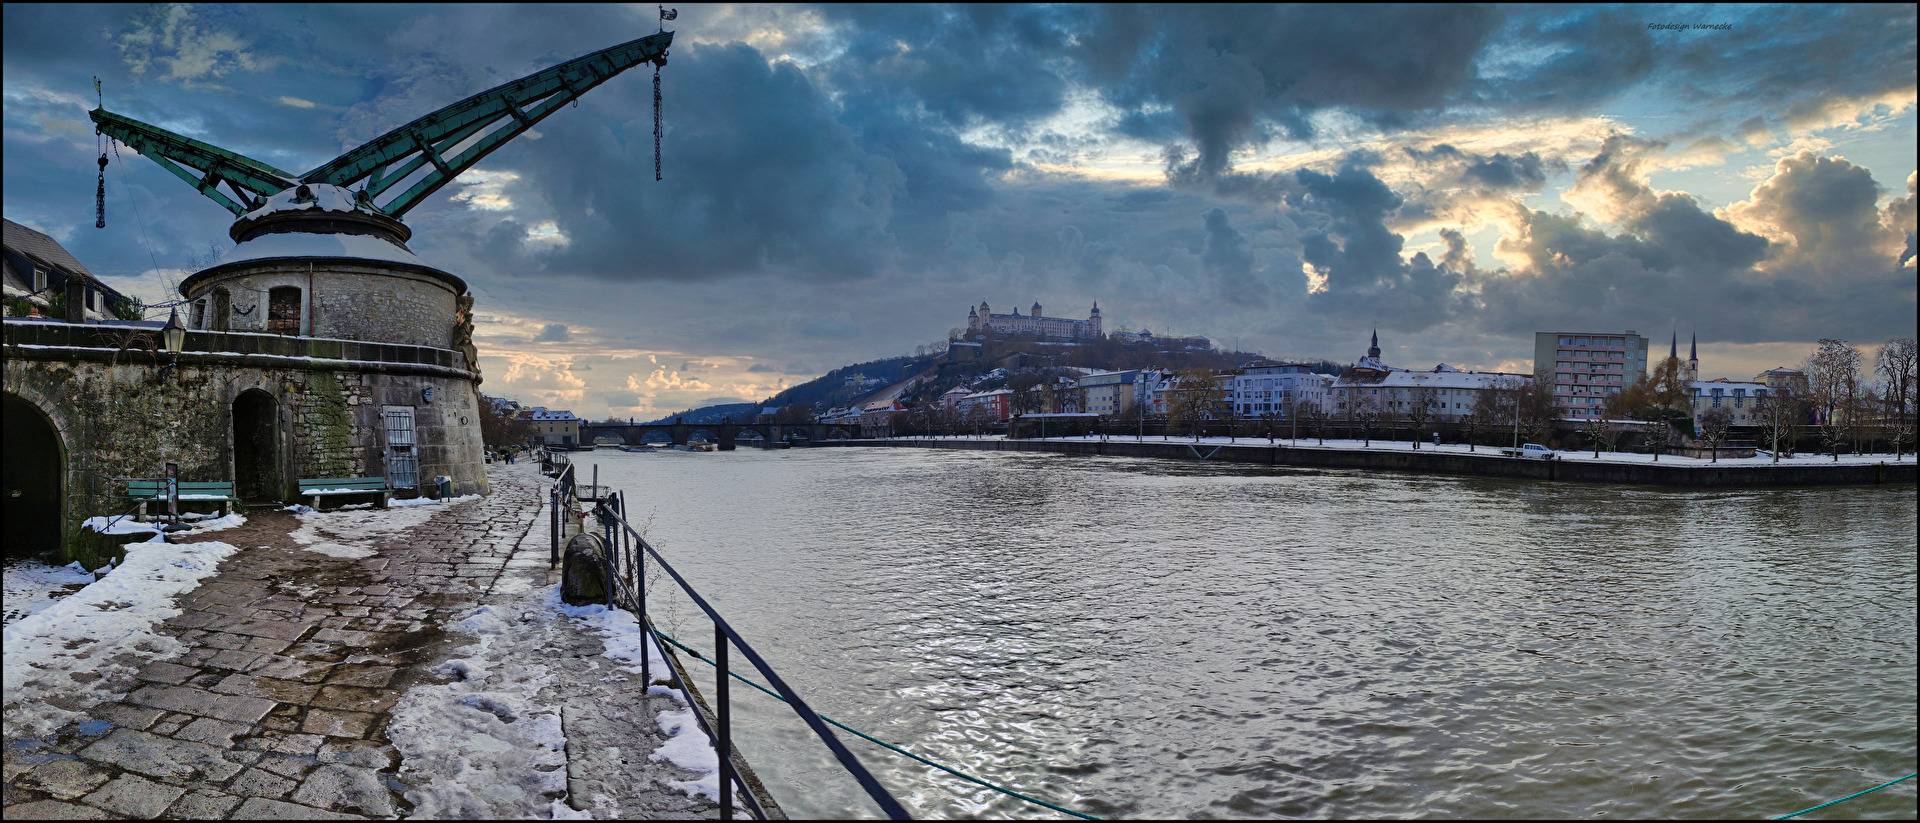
<point x="982" y="320"/>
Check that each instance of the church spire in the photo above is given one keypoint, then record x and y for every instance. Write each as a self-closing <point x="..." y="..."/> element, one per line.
<point x="1693" y="348"/>
<point x="1674" y="350"/>
<point x="1373" y="349"/>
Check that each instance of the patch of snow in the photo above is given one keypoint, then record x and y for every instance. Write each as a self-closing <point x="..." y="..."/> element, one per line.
<point x="425" y="501"/>
<point x="119" y="524"/>
<point x="303" y="245"/>
<point x="687" y="747"/>
<point x="31" y="586"/>
<point x="354" y="531"/>
<point x="66" y="657"/>
<point x="484" y="746"/>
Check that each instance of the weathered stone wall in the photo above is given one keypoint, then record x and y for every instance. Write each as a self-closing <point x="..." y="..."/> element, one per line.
<point x="341" y="299"/>
<point x="117" y="418"/>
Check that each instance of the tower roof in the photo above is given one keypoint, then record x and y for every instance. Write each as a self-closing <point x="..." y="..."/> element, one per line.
<point x="1693" y="349"/>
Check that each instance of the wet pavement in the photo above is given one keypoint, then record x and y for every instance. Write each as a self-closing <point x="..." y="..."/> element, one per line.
<point x="294" y="661"/>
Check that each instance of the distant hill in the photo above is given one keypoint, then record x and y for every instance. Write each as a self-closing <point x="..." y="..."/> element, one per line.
<point x="848" y="385"/>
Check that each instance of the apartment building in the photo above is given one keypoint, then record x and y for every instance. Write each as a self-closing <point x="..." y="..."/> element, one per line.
<point x="1584" y="367"/>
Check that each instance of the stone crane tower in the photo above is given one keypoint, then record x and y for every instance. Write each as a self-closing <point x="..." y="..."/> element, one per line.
<point x="321" y="345"/>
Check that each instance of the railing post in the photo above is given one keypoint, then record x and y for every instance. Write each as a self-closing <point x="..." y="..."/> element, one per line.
<point x="725" y="743"/>
<point x="553" y="526"/>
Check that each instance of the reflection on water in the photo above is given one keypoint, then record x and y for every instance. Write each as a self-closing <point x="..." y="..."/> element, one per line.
<point x="1138" y="638"/>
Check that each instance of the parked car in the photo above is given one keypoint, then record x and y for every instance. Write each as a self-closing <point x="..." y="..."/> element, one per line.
<point x="1529" y="450"/>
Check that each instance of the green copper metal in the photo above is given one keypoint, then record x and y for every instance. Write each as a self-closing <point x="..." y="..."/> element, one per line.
<point x="398" y="155"/>
<point x="250" y="179"/>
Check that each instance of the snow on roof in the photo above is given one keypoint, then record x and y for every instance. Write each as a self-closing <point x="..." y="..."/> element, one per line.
<point x="304" y="244"/>
<point x="1438" y="380"/>
<point x="326" y="197"/>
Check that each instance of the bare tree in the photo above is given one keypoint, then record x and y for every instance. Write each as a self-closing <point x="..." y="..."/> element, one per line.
<point x="1897" y="366"/>
<point x="1713" y="429"/>
<point x="1833" y="378"/>
<point x="1595" y="428"/>
<point x="1420" y="405"/>
<point x="1196" y="397"/>
<point x="1315" y="416"/>
<point x="1495" y="409"/>
<point x="1365" y="410"/>
<point x="1780" y="416"/>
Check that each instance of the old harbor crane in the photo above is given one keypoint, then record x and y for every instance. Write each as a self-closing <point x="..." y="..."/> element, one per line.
<point x="442" y="144"/>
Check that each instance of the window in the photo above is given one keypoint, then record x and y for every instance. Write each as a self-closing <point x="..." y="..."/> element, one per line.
<point x="199" y="314"/>
<point x="222" y="309"/>
<point x="283" y="310"/>
<point x="403" y="466"/>
<point x="1566" y="341"/>
<point x="1580" y="341"/>
<point x="39" y="279"/>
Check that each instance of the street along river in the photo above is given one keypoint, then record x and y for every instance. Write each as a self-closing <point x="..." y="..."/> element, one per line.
<point x="1140" y="638"/>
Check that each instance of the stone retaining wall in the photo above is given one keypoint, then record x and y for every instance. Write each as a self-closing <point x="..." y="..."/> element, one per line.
<point x="1429" y="462"/>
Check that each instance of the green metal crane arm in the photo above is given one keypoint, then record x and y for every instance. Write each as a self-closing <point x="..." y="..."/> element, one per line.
<point x="245" y="175"/>
<point x="397" y="155"/>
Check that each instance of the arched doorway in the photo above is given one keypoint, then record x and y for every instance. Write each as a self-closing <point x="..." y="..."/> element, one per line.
<point x="256" y="447"/>
<point x="35" y="474"/>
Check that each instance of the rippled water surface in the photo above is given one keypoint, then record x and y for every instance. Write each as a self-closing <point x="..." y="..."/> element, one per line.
<point x="1141" y="638"/>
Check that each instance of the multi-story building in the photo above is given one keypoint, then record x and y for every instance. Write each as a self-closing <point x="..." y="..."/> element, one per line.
<point x="1266" y="388"/>
<point x="1449" y="392"/>
<point x="1584" y="367"/>
<point x="1741" y="399"/>
<point x="1793" y="381"/>
<point x="555" y="428"/>
<point x="982" y="320"/>
<point x="994" y="404"/>
<point x="1109" y="394"/>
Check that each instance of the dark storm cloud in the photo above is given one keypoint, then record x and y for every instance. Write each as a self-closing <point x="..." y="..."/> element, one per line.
<point x="1232" y="72"/>
<point x="553" y="333"/>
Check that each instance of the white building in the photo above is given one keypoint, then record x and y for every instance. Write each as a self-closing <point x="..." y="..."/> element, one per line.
<point x="982" y="320"/>
<point x="1742" y="399"/>
<point x="1266" y="388"/>
<point x="1448" y="392"/>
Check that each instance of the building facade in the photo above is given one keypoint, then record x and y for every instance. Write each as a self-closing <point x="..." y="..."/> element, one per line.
<point x="1266" y="388"/>
<point x="982" y="320"/>
<point x="1109" y="394"/>
<point x="555" y="428"/>
<point x="1583" y="368"/>
<point x="37" y="267"/>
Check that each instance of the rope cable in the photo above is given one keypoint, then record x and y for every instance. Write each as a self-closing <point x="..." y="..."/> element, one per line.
<point x="1847" y="798"/>
<point x="863" y="735"/>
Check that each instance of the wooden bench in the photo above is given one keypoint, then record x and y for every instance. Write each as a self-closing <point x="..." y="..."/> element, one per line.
<point x="329" y="486"/>
<point x="155" y="491"/>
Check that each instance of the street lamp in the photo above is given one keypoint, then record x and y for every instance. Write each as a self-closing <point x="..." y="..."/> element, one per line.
<point x="172" y="337"/>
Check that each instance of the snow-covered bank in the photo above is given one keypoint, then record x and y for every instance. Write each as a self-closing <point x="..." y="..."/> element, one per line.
<point x="64" y="657"/>
<point x="1379" y="445"/>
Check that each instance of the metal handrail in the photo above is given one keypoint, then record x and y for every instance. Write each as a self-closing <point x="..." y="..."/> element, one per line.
<point x="618" y="533"/>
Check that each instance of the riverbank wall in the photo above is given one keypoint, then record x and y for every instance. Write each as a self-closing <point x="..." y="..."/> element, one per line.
<point x="1488" y="464"/>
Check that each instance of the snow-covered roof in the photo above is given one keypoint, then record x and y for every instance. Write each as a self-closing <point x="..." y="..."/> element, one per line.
<point x="1707" y="386"/>
<point x="305" y="244"/>
<point x="543" y="414"/>
<point x="1437" y="380"/>
<point x="326" y="197"/>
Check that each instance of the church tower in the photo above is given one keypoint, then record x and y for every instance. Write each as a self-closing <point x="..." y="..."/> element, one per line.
<point x="1093" y="320"/>
<point x="1373" y="349"/>
<point x="1693" y="358"/>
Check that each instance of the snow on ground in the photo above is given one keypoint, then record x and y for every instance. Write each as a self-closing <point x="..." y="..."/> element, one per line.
<point x="484" y="746"/>
<point x="125" y="524"/>
<point x="1802" y="459"/>
<point x="350" y="531"/>
<point x="687" y="746"/>
<point x="86" y="647"/>
<point x="31" y="586"/>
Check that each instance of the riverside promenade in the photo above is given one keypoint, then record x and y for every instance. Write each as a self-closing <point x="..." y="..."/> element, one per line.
<point x="374" y="664"/>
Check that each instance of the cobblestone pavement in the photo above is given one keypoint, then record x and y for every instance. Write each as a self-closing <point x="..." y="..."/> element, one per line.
<point x="294" y="661"/>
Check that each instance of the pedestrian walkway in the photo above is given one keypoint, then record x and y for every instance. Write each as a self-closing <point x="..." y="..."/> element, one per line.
<point x="298" y="651"/>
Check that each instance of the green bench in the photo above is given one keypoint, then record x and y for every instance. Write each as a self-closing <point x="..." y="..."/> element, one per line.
<point x="330" y="486"/>
<point x="155" y="491"/>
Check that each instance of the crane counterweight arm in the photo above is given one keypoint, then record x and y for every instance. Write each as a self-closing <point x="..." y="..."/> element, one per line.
<point x="515" y="106"/>
<point x="250" y="179"/>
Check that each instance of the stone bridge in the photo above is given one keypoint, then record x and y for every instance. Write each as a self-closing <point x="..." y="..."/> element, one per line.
<point x="727" y="435"/>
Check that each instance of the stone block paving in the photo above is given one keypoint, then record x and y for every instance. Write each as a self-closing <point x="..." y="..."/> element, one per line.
<point x="278" y="706"/>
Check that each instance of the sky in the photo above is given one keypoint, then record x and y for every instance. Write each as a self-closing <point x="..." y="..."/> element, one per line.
<point x="843" y="182"/>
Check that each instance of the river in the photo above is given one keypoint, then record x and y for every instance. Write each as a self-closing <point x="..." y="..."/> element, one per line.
<point x="1144" y="638"/>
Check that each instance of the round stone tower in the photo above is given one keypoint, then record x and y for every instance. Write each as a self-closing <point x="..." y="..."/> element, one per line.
<point x="316" y="262"/>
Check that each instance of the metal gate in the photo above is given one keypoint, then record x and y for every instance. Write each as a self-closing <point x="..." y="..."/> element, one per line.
<point x="403" y="464"/>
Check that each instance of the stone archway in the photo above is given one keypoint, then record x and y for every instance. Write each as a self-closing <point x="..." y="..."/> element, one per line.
<point x="35" y="479"/>
<point x="256" y="447"/>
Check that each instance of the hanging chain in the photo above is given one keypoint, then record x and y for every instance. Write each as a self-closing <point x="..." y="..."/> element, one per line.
<point x="100" y="188"/>
<point x="656" y="122"/>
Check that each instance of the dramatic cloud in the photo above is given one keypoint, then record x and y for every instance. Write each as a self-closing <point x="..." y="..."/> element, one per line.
<point x="842" y="182"/>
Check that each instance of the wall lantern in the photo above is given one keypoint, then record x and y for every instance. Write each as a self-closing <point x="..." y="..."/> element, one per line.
<point x="426" y="394"/>
<point x="172" y="337"/>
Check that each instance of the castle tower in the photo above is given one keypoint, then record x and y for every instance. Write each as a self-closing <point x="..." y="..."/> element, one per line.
<point x="1036" y="308"/>
<point x="973" y="319"/>
<point x="1093" y="320"/>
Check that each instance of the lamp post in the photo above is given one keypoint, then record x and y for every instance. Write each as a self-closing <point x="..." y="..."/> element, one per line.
<point x="172" y="337"/>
